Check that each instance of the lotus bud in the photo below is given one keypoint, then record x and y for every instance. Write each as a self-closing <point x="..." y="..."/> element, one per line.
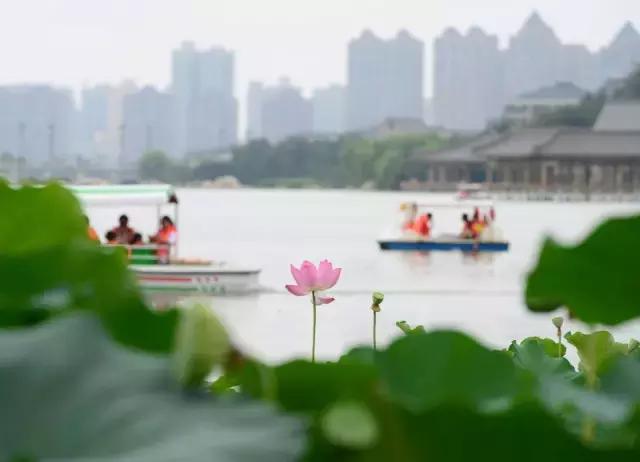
<point x="633" y="345"/>
<point x="558" y="321"/>
<point x="201" y="344"/>
<point x="404" y="327"/>
<point x="378" y="298"/>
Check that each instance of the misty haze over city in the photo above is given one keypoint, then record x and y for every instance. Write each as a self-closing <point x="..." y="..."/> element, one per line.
<point x="109" y="82"/>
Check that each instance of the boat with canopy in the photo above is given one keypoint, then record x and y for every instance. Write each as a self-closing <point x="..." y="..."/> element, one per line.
<point x="178" y="274"/>
<point x="489" y="240"/>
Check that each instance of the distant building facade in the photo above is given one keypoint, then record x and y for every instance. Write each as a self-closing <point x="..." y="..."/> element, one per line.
<point x="204" y="106"/>
<point x="622" y="56"/>
<point x="277" y="112"/>
<point x="93" y="121"/>
<point x="474" y="79"/>
<point x="147" y="125"/>
<point x="576" y="162"/>
<point x="526" y="108"/>
<point x="37" y="123"/>
<point x="468" y="80"/>
<point x="255" y="97"/>
<point x="329" y="110"/>
<point x="384" y="79"/>
<point x="395" y="126"/>
<point x="285" y="112"/>
<point x="101" y="123"/>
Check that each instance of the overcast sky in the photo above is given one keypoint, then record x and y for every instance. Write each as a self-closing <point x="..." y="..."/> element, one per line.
<point x="76" y="42"/>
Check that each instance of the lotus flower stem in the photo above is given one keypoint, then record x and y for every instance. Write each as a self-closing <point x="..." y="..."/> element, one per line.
<point x="375" y="307"/>
<point x="558" y="322"/>
<point x="375" y="346"/>
<point x="559" y="343"/>
<point x="313" y="344"/>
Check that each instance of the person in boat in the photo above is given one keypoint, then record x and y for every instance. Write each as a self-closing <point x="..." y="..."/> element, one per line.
<point x="137" y="239"/>
<point x="476" y="215"/>
<point x="422" y="225"/>
<point x="411" y="211"/>
<point x="124" y="234"/>
<point x="91" y="232"/>
<point x="111" y="238"/>
<point x="467" y="228"/>
<point x="166" y="236"/>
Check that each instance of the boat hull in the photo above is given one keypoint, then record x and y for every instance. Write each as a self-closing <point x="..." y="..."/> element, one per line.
<point x="206" y="279"/>
<point x="462" y="245"/>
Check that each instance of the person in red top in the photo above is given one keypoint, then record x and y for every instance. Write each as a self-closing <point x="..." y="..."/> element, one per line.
<point x="410" y="218"/>
<point x="422" y="225"/>
<point x="166" y="236"/>
<point x="468" y="231"/>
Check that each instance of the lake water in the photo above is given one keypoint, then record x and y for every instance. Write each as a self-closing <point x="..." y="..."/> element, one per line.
<point x="271" y="229"/>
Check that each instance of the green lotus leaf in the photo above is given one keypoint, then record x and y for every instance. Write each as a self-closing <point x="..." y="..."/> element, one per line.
<point x="52" y="268"/>
<point x="438" y="368"/>
<point x="67" y="392"/>
<point x="350" y="424"/>
<point x="597" y="280"/>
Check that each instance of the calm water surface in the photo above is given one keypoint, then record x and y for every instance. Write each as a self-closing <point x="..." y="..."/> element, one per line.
<point x="271" y="229"/>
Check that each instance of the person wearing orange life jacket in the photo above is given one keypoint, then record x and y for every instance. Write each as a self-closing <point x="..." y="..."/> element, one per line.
<point x="477" y="223"/>
<point x="166" y="236"/>
<point x="91" y="232"/>
<point x="467" y="228"/>
<point x="410" y="217"/>
<point x="422" y="225"/>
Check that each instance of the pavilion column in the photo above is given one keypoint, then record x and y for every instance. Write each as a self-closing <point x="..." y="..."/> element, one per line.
<point x="587" y="181"/>
<point x="443" y="175"/>
<point x="618" y="178"/>
<point x="488" y="175"/>
<point x="526" y="175"/>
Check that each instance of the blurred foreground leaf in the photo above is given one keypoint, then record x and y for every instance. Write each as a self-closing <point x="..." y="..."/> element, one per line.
<point x="430" y="370"/>
<point x="38" y="218"/>
<point x="597" y="280"/>
<point x="48" y="267"/>
<point x="350" y="424"/>
<point x="201" y="343"/>
<point x="557" y="385"/>
<point x="596" y="350"/>
<point x="68" y="393"/>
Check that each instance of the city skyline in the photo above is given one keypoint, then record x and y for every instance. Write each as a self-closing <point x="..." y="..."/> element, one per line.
<point x="133" y="40"/>
<point x="473" y="75"/>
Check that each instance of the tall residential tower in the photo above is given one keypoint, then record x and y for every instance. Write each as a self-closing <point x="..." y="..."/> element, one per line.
<point x="204" y="106"/>
<point x="384" y="79"/>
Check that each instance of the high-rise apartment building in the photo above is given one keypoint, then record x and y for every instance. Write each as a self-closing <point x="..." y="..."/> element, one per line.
<point x="36" y="123"/>
<point x="146" y="124"/>
<point x="204" y="106"/>
<point x="384" y="79"/>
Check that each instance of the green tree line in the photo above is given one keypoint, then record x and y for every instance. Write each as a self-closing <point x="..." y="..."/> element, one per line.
<point x="348" y="161"/>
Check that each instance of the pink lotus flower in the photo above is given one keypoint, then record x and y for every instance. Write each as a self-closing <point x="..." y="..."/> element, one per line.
<point x="312" y="280"/>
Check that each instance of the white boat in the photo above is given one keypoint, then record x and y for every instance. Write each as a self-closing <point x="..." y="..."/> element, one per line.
<point x="472" y="191"/>
<point x="179" y="274"/>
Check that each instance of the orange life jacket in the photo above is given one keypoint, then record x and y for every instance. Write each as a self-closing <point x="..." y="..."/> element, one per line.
<point x="92" y="234"/>
<point x="421" y="225"/>
<point x="164" y="238"/>
<point x="164" y="234"/>
<point x="476" y="228"/>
